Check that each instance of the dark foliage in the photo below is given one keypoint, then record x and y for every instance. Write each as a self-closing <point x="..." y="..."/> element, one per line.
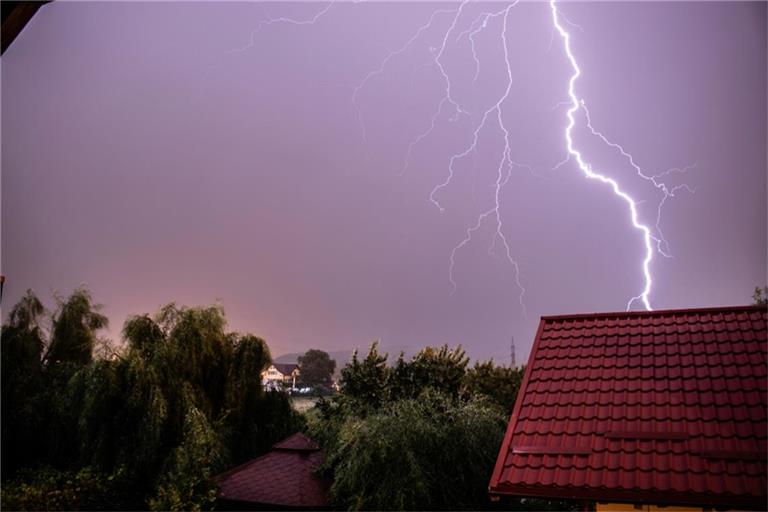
<point x="420" y="435"/>
<point x="499" y="383"/>
<point x="22" y="348"/>
<point x="145" y="428"/>
<point x="316" y="368"/>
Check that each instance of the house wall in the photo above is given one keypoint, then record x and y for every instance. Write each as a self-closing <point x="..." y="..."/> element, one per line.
<point x="274" y="374"/>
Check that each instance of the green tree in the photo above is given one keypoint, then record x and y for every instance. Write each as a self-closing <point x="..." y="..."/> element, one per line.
<point x="316" y="368"/>
<point x="422" y="434"/>
<point x="145" y="427"/>
<point x="21" y="343"/>
<point x="366" y="380"/>
<point x="75" y="325"/>
<point x="143" y="334"/>
<point x="428" y="453"/>
<point x="442" y="369"/>
<point x="499" y="383"/>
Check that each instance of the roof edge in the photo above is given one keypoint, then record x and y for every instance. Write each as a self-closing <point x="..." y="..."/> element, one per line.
<point x="658" y="497"/>
<point x="512" y="423"/>
<point x="751" y="307"/>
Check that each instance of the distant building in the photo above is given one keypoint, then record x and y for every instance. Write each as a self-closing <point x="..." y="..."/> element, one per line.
<point x="280" y="375"/>
<point x="657" y="410"/>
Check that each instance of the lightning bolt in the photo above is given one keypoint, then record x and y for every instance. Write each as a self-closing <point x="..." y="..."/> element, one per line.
<point x="392" y="55"/>
<point x="505" y="163"/>
<point x="502" y="178"/>
<point x="577" y="104"/>
<point x="281" y="20"/>
<point x="447" y="98"/>
<point x="662" y="246"/>
<point x="492" y="118"/>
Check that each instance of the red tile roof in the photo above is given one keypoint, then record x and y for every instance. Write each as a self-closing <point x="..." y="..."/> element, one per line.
<point x="298" y="442"/>
<point x="665" y="407"/>
<point x="282" y="478"/>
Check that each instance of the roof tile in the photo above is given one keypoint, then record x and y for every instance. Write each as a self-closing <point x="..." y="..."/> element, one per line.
<point x="697" y="372"/>
<point x="283" y="477"/>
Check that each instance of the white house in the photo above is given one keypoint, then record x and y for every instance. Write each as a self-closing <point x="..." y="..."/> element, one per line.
<point x="280" y="375"/>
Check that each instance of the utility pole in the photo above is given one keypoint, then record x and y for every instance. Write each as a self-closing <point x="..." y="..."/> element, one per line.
<point x="512" y="353"/>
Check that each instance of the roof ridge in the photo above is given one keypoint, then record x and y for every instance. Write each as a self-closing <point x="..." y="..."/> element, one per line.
<point x="656" y="312"/>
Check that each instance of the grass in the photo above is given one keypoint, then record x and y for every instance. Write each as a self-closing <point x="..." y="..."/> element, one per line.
<point x="303" y="403"/>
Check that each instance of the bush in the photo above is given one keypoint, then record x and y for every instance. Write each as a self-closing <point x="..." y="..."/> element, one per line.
<point x="422" y="434"/>
<point x="51" y="489"/>
<point x="425" y="453"/>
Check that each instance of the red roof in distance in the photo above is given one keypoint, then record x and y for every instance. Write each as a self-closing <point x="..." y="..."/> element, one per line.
<point x="664" y="407"/>
<point x="284" y="477"/>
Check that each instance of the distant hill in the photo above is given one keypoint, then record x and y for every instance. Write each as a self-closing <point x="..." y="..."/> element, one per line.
<point x="342" y="357"/>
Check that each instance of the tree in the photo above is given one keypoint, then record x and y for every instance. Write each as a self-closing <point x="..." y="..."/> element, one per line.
<point x="760" y="297"/>
<point x="499" y="383"/>
<point x="142" y="428"/>
<point x="440" y="368"/>
<point x="366" y="380"/>
<point x="423" y="434"/>
<point x="75" y="324"/>
<point x="428" y="453"/>
<point x="22" y="343"/>
<point x="316" y="368"/>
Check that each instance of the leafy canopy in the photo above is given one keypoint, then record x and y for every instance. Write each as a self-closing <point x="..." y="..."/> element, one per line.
<point x="422" y="434"/>
<point x="143" y="428"/>
<point x="316" y="368"/>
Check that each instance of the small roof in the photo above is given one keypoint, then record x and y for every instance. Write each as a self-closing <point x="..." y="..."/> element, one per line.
<point x="286" y="368"/>
<point x="284" y="477"/>
<point x="297" y="442"/>
<point x="665" y="407"/>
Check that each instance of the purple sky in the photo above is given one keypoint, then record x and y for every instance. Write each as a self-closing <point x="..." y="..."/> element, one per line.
<point x="145" y="158"/>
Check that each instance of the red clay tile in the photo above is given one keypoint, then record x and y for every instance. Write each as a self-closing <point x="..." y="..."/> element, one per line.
<point x="284" y="477"/>
<point x="697" y="372"/>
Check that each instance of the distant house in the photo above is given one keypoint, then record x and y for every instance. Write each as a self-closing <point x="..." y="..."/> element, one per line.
<point x="642" y="410"/>
<point x="283" y="479"/>
<point x="280" y="375"/>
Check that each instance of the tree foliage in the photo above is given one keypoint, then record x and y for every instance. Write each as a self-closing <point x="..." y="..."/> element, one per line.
<point x="22" y="345"/>
<point x="75" y="325"/>
<point x="425" y="453"/>
<point x="499" y="383"/>
<point x="181" y="403"/>
<point x="316" y="368"/>
<point x="422" y="434"/>
<point x="366" y="380"/>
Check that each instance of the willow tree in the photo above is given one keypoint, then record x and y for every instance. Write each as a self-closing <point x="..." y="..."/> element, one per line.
<point x="153" y="423"/>
<point x="22" y="342"/>
<point x="75" y="325"/>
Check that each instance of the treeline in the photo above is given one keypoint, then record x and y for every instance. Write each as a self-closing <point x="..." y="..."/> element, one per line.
<point x="87" y="427"/>
<point x="422" y="434"/>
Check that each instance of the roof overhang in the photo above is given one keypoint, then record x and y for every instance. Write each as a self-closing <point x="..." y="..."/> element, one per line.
<point x="15" y="16"/>
<point x="629" y="496"/>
